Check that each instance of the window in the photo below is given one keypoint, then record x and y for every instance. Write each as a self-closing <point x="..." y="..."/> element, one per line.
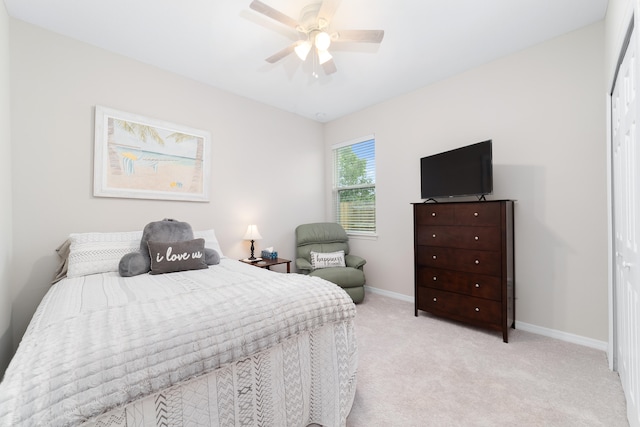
<point x="354" y="187"/>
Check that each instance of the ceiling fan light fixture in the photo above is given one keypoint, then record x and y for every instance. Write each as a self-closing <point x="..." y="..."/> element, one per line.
<point x="313" y="33"/>
<point x="323" y="56"/>
<point x="322" y="41"/>
<point x="302" y="50"/>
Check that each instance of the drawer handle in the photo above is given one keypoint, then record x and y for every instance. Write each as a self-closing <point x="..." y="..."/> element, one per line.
<point x="434" y="257"/>
<point x="434" y="236"/>
<point x="435" y="299"/>
<point x="477" y="262"/>
<point x="433" y="214"/>
<point x="477" y="309"/>
<point x="476" y="238"/>
<point x="475" y="214"/>
<point x="477" y="285"/>
<point x="435" y="278"/>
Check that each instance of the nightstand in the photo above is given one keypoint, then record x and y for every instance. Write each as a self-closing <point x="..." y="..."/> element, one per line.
<point x="267" y="263"/>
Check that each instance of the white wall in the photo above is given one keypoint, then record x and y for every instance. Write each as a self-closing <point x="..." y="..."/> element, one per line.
<point x="540" y="106"/>
<point x="5" y="196"/>
<point x="265" y="162"/>
<point x="543" y="107"/>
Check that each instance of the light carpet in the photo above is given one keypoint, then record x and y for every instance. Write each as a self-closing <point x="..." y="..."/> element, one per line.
<point x="426" y="371"/>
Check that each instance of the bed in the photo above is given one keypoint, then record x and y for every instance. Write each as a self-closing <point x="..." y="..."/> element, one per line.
<point x="230" y="345"/>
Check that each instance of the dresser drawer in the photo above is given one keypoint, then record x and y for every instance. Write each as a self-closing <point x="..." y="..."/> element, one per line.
<point x="483" y="238"/>
<point x="481" y="213"/>
<point x="464" y="263"/>
<point x="477" y="285"/>
<point x="434" y="214"/>
<point x="459" y="307"/>
<point x="465" y="260"/>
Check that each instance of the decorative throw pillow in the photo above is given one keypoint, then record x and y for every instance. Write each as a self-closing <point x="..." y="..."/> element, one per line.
<point x="92" y="253"/>
<point x="326" y="260"/>
<point x="177" y="256"/>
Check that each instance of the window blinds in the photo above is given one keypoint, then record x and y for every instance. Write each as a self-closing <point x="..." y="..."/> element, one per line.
<point x="355" y="186"/>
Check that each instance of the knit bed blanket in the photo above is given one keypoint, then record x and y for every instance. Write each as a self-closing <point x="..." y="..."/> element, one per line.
<point x="101" y="341"/>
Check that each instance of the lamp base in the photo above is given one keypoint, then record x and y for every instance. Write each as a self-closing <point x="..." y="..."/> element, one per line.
<point x="252" y="258"/>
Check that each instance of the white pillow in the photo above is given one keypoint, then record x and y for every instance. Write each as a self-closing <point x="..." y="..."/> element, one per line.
<point x="91" y="253"/>
<point x="210" y="240"/>
<point x="326" y="260"/>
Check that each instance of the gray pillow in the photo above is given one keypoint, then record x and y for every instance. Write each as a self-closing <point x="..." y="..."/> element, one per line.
<point x="177" y="256"/>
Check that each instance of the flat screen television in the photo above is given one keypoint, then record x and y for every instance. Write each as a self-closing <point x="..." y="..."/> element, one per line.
<point x="464" y="171"/>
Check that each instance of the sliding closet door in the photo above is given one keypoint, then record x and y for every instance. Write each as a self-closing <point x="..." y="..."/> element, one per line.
<point x="626" y="211"/>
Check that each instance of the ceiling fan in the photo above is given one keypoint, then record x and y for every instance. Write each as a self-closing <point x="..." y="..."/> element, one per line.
<point x="314" y="33"/>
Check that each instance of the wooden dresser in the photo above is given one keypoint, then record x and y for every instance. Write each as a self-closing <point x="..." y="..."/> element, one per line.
<point x="464" y="262"/>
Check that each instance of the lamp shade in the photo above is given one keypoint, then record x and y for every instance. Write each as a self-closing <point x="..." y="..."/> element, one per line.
<point x="252" y="233"/>
<point x="323" y="56"/>
<point x="302" y="49"/>
<point x="323" y="40"/>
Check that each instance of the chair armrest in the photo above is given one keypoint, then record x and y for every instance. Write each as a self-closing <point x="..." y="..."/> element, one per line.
<point x="304" y="265"/>
<point x="354" y="261"/>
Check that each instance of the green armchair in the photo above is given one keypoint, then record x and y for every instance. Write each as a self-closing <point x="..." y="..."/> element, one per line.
<point x="327" y="237"/>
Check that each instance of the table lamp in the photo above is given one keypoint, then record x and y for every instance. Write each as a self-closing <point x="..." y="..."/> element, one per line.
<point x="252" y="234"/>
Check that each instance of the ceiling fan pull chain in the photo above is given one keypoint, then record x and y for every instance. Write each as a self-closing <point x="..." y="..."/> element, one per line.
<point x="315" y="66"/>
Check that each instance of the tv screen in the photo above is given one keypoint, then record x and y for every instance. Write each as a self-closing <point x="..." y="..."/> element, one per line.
<point x="465" y="171"/>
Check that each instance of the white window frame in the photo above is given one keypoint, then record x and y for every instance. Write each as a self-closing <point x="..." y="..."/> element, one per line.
<point x="337" y="189"/>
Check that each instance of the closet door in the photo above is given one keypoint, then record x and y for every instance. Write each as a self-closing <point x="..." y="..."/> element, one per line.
<point x="626" y="209"/>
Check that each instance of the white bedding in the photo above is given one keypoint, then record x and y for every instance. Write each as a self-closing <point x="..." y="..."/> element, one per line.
<point x="100" y="342"/>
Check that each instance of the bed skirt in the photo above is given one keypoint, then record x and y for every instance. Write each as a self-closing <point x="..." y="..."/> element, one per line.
<point x="309" y="378"/>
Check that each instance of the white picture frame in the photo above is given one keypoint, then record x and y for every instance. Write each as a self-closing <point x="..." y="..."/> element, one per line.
<point x="143" y="158"/>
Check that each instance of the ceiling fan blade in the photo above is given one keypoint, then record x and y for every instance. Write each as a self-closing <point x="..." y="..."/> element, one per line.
<point x="274" y="14"/>
<point x="329" y="67"/>
<point x="328" y="9"/>
<point x="281" y="54"/>
<point x="358" y="36"/>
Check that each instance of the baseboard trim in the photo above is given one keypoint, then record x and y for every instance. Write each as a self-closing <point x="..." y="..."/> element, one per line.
<point x="539" y="330"/>
<point x="563" y="336"/>
<point x="389" y="294"/>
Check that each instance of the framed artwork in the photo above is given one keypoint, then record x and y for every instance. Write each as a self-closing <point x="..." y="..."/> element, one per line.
<point x="143" y="158"/>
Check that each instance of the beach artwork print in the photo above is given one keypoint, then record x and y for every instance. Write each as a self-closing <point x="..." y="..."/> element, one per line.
<point x="149" y="159"/>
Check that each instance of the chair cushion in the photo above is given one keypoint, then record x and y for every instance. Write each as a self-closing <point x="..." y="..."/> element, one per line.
<point x="320" y="232"/>
<point x="345" y="277"/>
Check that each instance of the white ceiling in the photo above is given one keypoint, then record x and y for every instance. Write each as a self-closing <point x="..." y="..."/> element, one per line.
<point x="224" y="43"/>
